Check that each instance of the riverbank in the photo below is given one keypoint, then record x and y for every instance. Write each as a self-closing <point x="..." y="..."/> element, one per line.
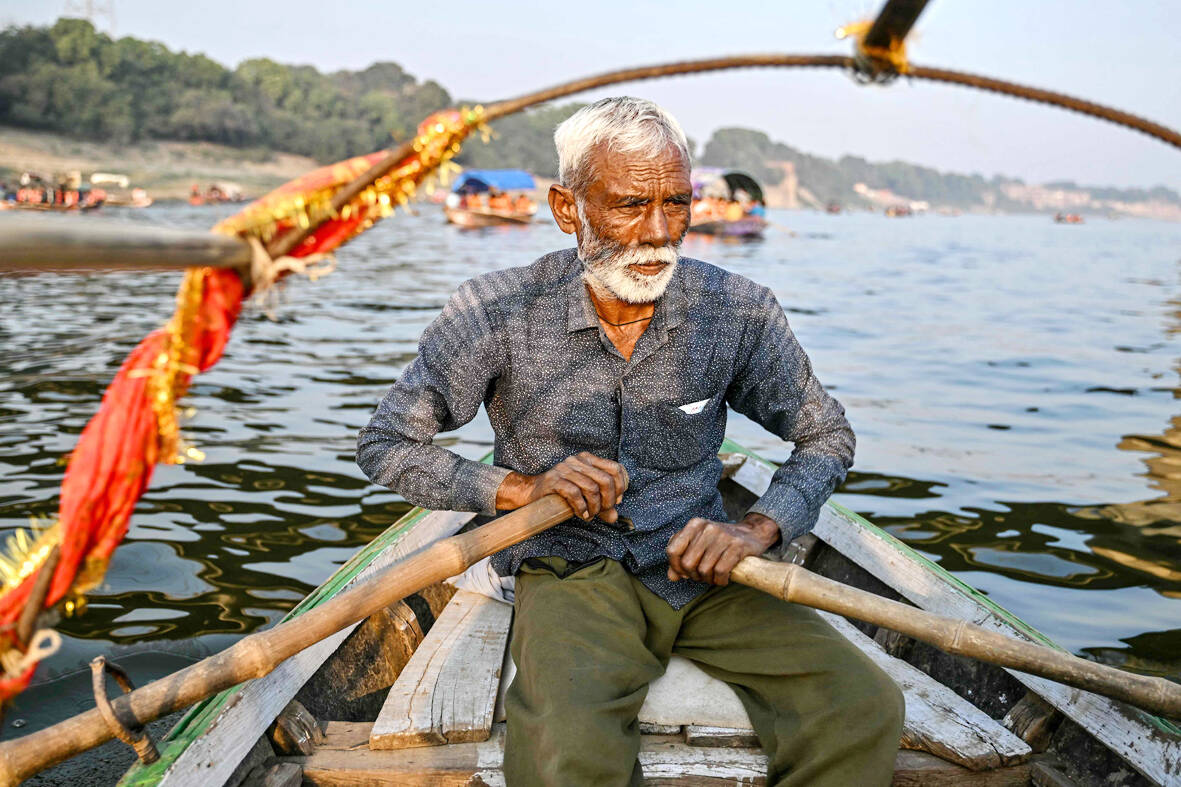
<point x="167" y="170"/>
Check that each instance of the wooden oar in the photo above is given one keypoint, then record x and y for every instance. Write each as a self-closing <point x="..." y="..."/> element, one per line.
<point x="959" y="637"/>
<point x="72" y="243"/>
<point x="258" y="654"/>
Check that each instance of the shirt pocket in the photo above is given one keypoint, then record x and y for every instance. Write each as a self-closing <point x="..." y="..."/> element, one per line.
<point x="676" y="435"/>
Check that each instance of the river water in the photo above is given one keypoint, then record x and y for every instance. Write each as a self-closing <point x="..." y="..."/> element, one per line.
<point x="1013" y="384"/>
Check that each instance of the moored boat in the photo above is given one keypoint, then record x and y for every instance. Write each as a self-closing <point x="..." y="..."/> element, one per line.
<point x="65" y="193"/>
<point x="411" y="696"/>
<point x="490" y="197"/>
<point x="215" y="194"/>
<point x="727" y="203"/>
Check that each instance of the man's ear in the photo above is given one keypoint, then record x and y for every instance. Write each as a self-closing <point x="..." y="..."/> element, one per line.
<point x="561" y="204"/>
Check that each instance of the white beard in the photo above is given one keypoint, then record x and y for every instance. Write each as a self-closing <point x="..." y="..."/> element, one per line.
<point x="606" y="266"/>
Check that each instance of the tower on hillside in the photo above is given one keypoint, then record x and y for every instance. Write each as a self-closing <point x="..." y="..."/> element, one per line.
<point x="91" y="10"/>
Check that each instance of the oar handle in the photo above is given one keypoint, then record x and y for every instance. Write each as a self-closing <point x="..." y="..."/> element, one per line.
<point x="959" y="637"/>
<point x="69" y="243"/>
<point x="256" y="655"/>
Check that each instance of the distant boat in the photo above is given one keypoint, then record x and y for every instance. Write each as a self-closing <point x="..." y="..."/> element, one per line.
<point x="136" y="198"/>
<point x="62" y="194"/>
<point x="896" y="211"/>
<point x="216" y="193"/>
<point x="490" y="197"/>
<point x="1068" y="218"/>
<point x="727" y="203"/>
<point x="120" y="194"/>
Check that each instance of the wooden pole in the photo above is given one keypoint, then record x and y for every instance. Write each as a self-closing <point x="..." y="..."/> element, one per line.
<point x="959" y="637"/>
<point x="34" y="244"/>
<point x="258" y="654"/>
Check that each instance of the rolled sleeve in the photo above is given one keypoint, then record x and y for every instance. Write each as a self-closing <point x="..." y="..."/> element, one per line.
<point x="776" y="388"/>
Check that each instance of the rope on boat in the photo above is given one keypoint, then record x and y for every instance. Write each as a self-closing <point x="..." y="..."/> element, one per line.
<point x="851" y="64"/>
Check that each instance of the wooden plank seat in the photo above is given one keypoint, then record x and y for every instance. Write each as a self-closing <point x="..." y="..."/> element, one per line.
<point x="447" y="692"/>
<point x="344" y="759"/>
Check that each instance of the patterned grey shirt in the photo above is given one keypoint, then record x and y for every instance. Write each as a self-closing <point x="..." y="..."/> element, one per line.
<point x="526" y="343"/>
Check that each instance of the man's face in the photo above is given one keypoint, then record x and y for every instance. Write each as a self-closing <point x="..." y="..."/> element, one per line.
<point x="632" y="219"/>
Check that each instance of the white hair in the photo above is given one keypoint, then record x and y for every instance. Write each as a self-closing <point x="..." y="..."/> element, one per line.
<point x="624" y="124"/>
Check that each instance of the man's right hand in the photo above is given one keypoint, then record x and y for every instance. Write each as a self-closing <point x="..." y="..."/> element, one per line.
<point x="593" y="486"/>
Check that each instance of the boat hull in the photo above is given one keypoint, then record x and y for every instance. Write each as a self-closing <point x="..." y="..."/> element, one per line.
<point x="485" y="218"/>
<point x="749" y="227"/>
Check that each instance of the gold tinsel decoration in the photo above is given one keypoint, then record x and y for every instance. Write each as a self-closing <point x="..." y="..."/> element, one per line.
<point x="893" y="56"/>
<point x="309" y="203"/>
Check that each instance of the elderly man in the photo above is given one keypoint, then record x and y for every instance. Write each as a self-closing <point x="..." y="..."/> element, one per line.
<point x="618" y="361"/>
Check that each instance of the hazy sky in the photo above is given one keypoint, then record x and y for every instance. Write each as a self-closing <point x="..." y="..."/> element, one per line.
<point x="1123" y="54"/>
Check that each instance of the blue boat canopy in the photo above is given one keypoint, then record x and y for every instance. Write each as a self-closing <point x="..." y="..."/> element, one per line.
<point x="475" y="181"/>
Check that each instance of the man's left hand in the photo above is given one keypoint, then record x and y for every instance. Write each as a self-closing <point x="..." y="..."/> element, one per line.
<point x="708" y="551"/>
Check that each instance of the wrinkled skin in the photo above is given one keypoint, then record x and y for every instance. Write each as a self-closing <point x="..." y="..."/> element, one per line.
<point x="635" y="201"/>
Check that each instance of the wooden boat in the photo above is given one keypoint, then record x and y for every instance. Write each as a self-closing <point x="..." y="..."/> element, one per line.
<point x="485" y="217"/>
<point x="491" y="197"/>
<point x="411" y="696"/>
<point x="215" y="194"/>
<point x="727" y="203"/>
<point x="745" y="227"/>
<point x="135" y="198"/>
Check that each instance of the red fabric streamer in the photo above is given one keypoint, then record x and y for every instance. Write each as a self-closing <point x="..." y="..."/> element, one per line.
<point x="117" y="451"/>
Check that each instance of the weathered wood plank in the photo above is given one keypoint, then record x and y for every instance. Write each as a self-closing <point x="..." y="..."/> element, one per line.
<point x="295" y="731"/>
<point x="344" y="760"/>
<point x="1033" y="720"/>
<point x="1144" y="742"/>
<point x="447" y="691"/>
<point x="211" y="758"/>
<point x="920" y="769"/>
<point x="938" y="720"/>
<point x="719" y="737"/>
<point x="351" y="684"/>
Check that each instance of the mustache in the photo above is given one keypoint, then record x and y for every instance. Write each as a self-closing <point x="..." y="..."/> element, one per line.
<point x="620" y="256"/>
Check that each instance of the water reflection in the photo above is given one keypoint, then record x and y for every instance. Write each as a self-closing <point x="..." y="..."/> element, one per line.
<point x="1156" y="553"/>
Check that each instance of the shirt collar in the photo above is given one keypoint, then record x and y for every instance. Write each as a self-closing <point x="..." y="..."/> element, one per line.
<point x="580" y="311"/>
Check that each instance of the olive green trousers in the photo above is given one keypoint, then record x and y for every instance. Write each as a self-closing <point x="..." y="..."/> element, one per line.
<point x="587" y="644"/>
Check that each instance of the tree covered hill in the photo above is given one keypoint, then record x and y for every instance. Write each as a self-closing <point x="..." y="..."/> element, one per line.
<point x="833" y="180"/>
<point x="72" y="79"/>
